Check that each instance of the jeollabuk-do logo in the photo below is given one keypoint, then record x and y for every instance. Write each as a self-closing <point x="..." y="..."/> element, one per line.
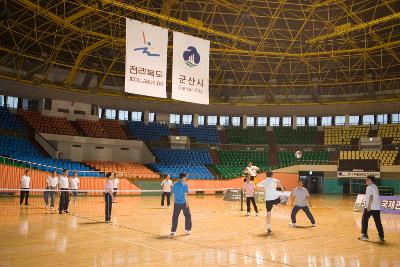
<point x="191" y="56"/>
<point x="147" y="48"/>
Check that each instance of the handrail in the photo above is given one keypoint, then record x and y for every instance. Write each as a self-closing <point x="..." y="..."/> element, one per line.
<point x="49" y="148"/>
<point x="31" y="164"/>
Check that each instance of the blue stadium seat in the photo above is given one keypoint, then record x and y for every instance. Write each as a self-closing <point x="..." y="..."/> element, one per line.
<point x="193" y="171"/>
<point x="205" y="134"/>
<point x="150" y="132"/>
<point x="176" y="161"/>
<point x="22" y="149"/>
<point x="9" y="121"/>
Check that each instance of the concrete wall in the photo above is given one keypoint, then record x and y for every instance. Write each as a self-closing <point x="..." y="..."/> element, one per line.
<point x="79" y="148"/>
<point x="300" y="168"/>
<point x="32" y="91"/>
<point x="71" y="107"/>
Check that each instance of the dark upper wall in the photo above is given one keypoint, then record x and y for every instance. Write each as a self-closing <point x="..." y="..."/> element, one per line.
<point x="32" y="91"/>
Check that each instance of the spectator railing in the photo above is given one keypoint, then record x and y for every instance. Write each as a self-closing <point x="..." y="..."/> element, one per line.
<point x="48" y="168"/>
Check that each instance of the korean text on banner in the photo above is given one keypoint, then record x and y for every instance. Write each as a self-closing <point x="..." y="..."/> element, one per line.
<point x="190" y="69"/>
<point x="146" y="59"/>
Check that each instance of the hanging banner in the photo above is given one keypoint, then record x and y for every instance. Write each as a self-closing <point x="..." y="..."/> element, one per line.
<point x="190" y="69"/>
<point x="146" y="59"/>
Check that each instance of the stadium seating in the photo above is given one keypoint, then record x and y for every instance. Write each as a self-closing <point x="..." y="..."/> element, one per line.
<point x="178" y="156"/>
<point x="205" y="134"/>
<point x="386" y="157"/>
<point x="234" y="162"/>
<point x="342" y="135"/>
<point x="301" y="135"/>
<point x="102" y="129"/>
<point x="251" y="135"/>
<point x="287" y="158"/>
<point x="9" y="121"/>
<point x="390" y="131"/>
<point x="150" y="132"/>
<point x="124" y="169"/>
<point x="47" y="124"/>
<point x="22" y="149"/>
<point x="193" y="171"/>
<point x="175" y="161"/>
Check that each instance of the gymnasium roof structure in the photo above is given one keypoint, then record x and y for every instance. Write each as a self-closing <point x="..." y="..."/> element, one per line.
<point x="262" y="52"/>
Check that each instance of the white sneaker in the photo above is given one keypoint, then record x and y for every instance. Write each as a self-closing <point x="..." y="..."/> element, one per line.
<point x="161" y="207"/>
<point x="188" y="232"/>
<point x="169" y="207"/>
<point x="363" y="238"/>
<point x="256" y="214"/>
<point x="248" y="214"/>
<point x="172" y="234"/>
<point x="292" y="224"/>
<point x="313" y="225"/>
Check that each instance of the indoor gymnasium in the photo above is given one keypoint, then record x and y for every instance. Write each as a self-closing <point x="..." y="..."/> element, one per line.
<point x="200" y="133"/>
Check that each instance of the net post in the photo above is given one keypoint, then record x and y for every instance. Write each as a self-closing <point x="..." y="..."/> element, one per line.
<point x="241" y="200"/>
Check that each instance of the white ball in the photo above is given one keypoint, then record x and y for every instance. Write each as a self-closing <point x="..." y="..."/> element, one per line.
<point x="298" y="154"/>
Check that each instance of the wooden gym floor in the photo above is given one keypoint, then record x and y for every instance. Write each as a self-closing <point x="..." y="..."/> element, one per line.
<point x="222" y="235"/>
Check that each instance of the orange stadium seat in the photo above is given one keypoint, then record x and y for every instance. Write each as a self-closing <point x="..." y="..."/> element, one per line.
<point x="124" y="169"/>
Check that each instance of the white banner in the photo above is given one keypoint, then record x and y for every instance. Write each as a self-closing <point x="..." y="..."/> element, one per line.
<point x="146" y="59"/>
<point x="190" y="69"/>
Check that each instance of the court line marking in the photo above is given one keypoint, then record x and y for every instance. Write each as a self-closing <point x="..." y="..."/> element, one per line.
<point x="185" y="241"/>
<point x="153" y="234"/>
<point x="104" y="234"/>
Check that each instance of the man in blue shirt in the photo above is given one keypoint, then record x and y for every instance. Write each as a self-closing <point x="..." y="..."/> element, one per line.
<point x="180" y="191"/>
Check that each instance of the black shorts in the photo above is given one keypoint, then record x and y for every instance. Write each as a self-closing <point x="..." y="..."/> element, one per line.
<point x="74" y="192"/>
<point x="270" y="203"/>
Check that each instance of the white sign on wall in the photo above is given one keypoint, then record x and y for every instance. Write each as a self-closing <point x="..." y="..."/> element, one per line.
<point x="190" y="69"/>
<point x="357" y="174"/>
<point x="146" y="59"/>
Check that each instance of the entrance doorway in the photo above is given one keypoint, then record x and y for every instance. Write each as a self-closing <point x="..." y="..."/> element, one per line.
<point x="313" y="181"/>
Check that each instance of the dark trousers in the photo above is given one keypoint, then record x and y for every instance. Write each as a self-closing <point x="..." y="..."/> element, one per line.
<point x="376" y="214"/>
<point x="108" y="199"/>
<point x="168" y="194"/>
<point x="307" y="211"/>
<point x="64" y="200"/>
<point x="175" y="217"/>
<point x="115" y="192"/>
<point x="252" y="200"/>
<point x="51" y="194"/>
<point x="24" y="194"/>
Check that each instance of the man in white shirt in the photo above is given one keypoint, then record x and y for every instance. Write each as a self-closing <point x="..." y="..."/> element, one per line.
<point x="166" y="186"/>
<point x="271" y="195"/>
<point x="51" y="185"/>
<point x="25" y="186"/>
<point x="301" y="201"/>
<point x="115" y="186"/>
<point x="108" y="196"/>
<point x="372" y="207"/>
<point x="64" y="196"/>
<point x="74" y="186"/>
<point x="251" y="170"/>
